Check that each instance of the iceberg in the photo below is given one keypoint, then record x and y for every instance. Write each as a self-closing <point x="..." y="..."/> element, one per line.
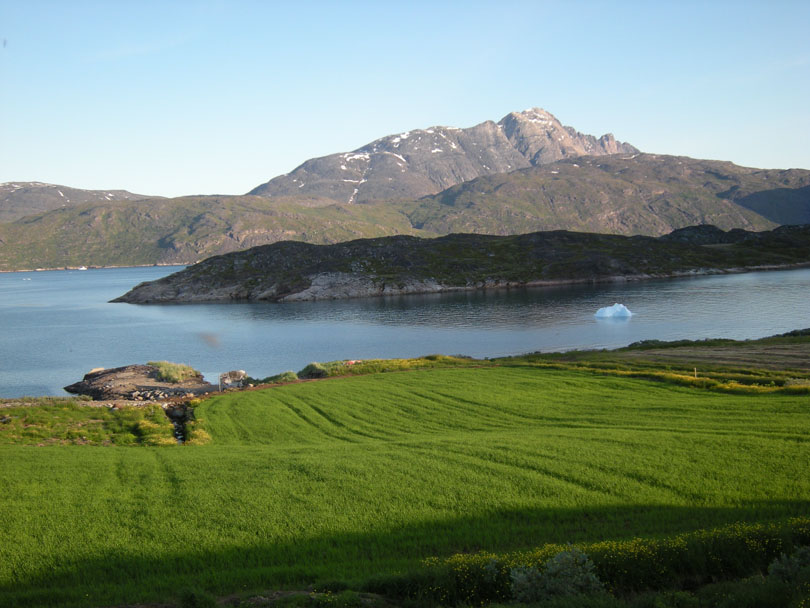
<point x="612" y="312"/>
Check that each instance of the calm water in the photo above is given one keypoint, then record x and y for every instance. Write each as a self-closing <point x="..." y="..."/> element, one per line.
<point x="57" y="325"/>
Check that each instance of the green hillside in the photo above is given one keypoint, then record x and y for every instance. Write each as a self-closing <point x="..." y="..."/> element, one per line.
<point x="619" y="194"/>
<point x="616" y="194"/>
<point x="353" y="479"/>
<point x="182" y="230"/>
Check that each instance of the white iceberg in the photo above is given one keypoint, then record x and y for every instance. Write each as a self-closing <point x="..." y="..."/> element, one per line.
<point x="613" y="312"/>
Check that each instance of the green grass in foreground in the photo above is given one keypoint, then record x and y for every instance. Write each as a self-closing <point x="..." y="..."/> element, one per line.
<point x="350" y="478"/>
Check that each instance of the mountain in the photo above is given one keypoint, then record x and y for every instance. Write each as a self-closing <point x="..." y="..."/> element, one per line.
<point x="405" y="264"/>
<point x="622" y="194"/>
<point x="650" y="194"/>
<point x="20" y="199"/>
<point x="525" y="173"/>
<point x="426" y="161"/>
<point x="183" y="230"/>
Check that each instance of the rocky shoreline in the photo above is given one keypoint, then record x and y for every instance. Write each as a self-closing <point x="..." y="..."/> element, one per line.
<point x="292" y="271"/>
<point x="337" y="286"/>
<point x="136" y="383"/>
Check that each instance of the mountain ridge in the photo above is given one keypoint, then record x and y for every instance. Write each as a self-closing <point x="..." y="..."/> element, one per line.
<point x="21" y="199"/>
<point x="421" y="162"/>
<point x="517" y="186"/>
<point x="623" y="194"/>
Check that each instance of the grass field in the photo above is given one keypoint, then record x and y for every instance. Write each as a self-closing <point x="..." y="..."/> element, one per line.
<point x="356" y="477"/>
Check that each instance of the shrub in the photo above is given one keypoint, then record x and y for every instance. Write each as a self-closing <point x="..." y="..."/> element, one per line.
<point x="313" y="370"/>
<point x="190" y="598"/>
<point x="173" y="372"/>
<point x="629" y="566"/>
<point x="788" y="568"/>
<point x="569" y="572"/>
<point x="527" y="584"/>
<point x="282" y="378"/>
<point x="288" y="376"/>
<point x="754" y="592"/>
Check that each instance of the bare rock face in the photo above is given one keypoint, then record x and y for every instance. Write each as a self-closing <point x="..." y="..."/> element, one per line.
<point x="135" y="383"/>
<point x="426" y="161"/>
<point x="339" y="285"/>
<point x="542" y="139"/>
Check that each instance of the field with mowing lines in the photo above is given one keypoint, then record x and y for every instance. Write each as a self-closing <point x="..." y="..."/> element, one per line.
<point x="350" y="478"/>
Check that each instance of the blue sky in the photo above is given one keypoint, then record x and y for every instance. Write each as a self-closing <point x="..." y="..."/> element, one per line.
<point x="190" y="97"/>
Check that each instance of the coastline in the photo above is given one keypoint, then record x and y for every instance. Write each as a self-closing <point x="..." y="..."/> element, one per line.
<point x="340" y="286"/>
<point x="399" y="265"/>
<point x="82" y="268"/>
<point x="630" y="278"/>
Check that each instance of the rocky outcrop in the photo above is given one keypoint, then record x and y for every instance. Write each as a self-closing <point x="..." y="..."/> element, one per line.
<point x="426" y="161"/>
<point x="135" y="383"/>
<point x="233" y="379"/>
<point x="339" y="285"/>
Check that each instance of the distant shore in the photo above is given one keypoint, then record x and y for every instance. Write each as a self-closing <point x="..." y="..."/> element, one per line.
<point x="82" y="268"/>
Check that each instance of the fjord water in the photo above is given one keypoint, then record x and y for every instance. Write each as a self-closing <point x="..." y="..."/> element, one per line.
<point x="57" y="325"/>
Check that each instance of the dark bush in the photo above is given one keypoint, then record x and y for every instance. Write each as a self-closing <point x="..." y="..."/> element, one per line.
<point x="313" y="370"/>
<point x="570" y="572"/>
<point x="193" y="598"/>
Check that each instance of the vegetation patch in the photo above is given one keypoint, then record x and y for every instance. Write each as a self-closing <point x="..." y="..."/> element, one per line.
<point x="312" y="371"/>
<point x="625" y="568"/>
<point x="282" y="378"/>
<point x="59" y="421"/>
<point x="778" y="364"/>
<point x="174" y="372"/>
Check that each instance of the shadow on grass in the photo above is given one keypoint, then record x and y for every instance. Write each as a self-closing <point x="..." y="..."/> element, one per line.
<point x="116" y="578"/>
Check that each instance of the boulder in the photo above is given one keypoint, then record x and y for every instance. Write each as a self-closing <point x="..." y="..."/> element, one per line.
<point x="233" y="378"/>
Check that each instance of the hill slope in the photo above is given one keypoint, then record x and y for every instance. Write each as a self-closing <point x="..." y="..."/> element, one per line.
<point x="622" y="194"/>
<point x="648" y="194"/>
<point x="21" y="199"/>
<point x="426" y="161"/>
<point x="404" y="264"/>
<point x="182" y="230"/>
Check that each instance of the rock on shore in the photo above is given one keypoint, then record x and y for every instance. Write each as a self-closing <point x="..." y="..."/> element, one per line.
<point x="135" y="383"/>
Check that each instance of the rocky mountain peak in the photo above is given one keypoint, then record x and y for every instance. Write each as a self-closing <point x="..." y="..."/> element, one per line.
<point x="542" y="139"/>
<point x="535" y="115"/>
<point x="425" y="161"/>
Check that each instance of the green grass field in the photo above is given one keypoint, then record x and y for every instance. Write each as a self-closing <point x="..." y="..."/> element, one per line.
<point x="357" y="477"/>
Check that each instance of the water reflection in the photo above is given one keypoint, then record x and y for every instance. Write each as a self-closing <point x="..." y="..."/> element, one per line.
<point x="59" y="325"/>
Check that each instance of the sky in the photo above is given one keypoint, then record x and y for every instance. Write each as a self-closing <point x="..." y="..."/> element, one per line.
<point x="216" y="97"/>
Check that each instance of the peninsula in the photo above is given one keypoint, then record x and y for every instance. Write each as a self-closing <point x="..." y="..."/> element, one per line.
<point x="288" y="271"/>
